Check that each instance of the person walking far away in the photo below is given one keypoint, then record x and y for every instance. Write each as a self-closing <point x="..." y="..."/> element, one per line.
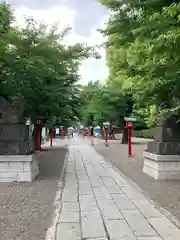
<point x="92" y="135"/>
<point x="70" y="132"/>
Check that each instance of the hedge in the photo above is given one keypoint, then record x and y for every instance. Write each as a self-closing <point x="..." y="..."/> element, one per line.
<point x="145" y="133"/>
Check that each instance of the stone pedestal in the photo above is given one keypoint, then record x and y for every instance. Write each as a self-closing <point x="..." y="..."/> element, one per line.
<point x="162" y="157"/>
<point x="162" y="166"/>
<point x="18" y="168"/>
<point x="17" y="162"/>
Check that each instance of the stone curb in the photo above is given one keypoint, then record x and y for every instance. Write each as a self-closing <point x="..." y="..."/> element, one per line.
<point x="51" y="232"/>
<point x="162" y="210"/>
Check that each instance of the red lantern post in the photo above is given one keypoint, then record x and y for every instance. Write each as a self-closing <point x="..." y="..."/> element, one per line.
<point x="129" y="126"/>
<point x="106" y="136"/>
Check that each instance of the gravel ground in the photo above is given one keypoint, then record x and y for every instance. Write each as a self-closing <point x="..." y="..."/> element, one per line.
<point x="26" y="208"/>
<point x="165" y="193"/>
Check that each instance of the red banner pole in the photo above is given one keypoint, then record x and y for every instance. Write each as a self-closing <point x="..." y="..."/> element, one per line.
<point x="106" y="136"/>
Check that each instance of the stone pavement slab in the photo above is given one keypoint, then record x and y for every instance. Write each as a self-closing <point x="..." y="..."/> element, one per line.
<point x="69" y="217"/>
<point x="119" y="229"/>
<point x="70" y="207"/>
<point x="146" y="208"/>
<point x="102" y="193"/>
<point x="99" y="203"/>
<point x="138" y="224"/>
<point x="97" y="238"/>
<point x="111" y="185"/>
<point x="149" y="238"/>
<point x="164" y="193"/>
<point x="165" y="228"/>
<point x="109" y="210"/>
<point x="68" y="231"/>
<point x="92" y="224"/>
<point x="123" y="202"/>
<point x="87" y="202"/>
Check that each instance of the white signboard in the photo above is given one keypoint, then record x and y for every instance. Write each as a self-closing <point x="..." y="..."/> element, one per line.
<point x="130" y="119"/>
<point x="106" y="123"/>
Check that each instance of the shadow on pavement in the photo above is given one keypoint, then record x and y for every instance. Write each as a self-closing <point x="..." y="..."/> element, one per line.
<point x="51" y="162"/>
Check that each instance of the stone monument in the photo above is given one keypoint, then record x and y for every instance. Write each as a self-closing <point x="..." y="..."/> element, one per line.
<point x="162" y="157"/>
<point x="16" y="144"/>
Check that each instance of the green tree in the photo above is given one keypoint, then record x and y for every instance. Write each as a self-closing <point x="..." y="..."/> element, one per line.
<point x="142" y="52"/>
<point x="104" y="102"/>
<point x="39" y="68"/>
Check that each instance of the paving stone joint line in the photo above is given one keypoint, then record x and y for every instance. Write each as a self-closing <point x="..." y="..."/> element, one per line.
<point x="133" y="185"/>
<point x="162" y="210"/>
<point x="107" y="234"/>
<point x="78" y="192"/>
<point x="87" y="173"/>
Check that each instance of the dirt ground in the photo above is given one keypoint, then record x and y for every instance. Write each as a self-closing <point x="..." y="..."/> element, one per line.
<point x="165" y="193"/>
<point x="26" y="208"/>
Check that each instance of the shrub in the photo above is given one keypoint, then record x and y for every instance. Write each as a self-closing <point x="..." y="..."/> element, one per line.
<point x="145" y="133"/>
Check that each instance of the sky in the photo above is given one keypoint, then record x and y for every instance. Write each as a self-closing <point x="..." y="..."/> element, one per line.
<point x="84" y="16"/>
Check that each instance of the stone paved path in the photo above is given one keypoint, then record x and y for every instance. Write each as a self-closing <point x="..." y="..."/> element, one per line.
<point x="98" y="203"/>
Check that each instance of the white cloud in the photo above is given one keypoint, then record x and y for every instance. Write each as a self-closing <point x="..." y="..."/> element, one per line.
<point x="91" y="69"/>
<point x="63" y="15"/>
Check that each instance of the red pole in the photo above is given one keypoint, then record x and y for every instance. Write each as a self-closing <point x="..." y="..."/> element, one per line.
<point x="51" y="136"/>
<point x="129" y="141"/>
<point x="104" y="132"/>
<point x="106" y="136"/>
<point x="38" y="137"/>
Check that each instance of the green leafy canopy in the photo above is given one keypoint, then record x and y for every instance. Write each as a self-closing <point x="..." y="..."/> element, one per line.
<point x="38" y="68"/>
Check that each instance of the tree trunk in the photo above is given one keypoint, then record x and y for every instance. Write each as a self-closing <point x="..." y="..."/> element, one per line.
<point x="112" y="133"/>
<point x="37" y="137"/>
<point x="41" y="137"/>
<point x="125" y="136"/>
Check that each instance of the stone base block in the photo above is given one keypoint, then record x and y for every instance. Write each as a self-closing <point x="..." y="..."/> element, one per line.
<point x="21" y="147"/>
<point x="162" y="166"/>
<point x="164" y="148"/>
<point x="18" y="168"/>
<point x="167" y="134"/>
